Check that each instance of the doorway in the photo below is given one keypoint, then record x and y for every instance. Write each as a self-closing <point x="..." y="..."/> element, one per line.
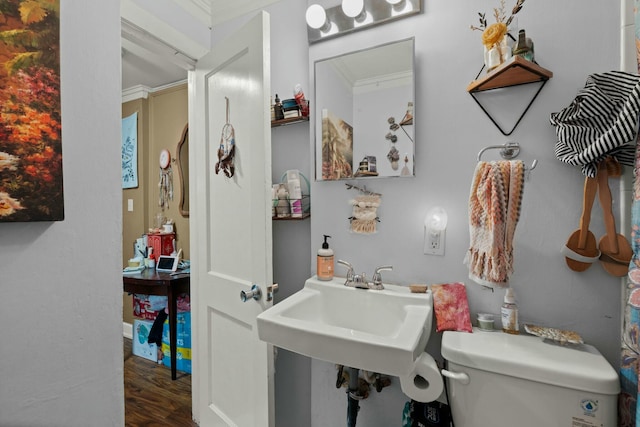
<point x="290" y="272"/>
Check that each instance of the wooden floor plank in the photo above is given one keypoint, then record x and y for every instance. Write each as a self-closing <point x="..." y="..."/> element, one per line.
<point x="151" y="397"/>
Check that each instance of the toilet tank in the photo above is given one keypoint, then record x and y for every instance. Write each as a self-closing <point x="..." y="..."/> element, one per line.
<point x="496" y="379"/>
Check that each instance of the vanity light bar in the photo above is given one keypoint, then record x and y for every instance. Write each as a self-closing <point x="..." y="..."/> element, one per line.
<point x="317" y="18"/>
<point x="352" y="8"/>
<point x="373" y="12"/>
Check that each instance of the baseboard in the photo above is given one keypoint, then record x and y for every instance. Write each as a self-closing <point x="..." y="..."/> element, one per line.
<point x="127" y="330"/>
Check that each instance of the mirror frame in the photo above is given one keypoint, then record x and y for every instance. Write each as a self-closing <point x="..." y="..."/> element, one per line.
<point x="184" y="177"/>
<point x="406" y="152"/>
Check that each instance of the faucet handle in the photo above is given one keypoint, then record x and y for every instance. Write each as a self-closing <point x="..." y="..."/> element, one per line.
<point x="350" y="272"/>
<point x="384" y="267"/>
<point x="377" y="277"/>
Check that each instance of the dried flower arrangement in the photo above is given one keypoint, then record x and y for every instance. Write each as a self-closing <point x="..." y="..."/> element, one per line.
<point x="492" y="34"/>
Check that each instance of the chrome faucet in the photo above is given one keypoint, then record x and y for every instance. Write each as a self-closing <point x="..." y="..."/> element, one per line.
<point x="354" y="280"/>
<point x="360" y="280"/>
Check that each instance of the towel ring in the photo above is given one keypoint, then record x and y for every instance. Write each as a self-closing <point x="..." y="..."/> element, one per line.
<point x="508" y="151"/>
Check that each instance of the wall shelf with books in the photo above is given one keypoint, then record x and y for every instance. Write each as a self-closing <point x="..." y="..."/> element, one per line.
<point x="290" y="112"/>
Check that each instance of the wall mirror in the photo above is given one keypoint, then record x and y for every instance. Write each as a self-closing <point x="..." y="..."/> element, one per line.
<point x="182" y="159"/>
<point x="364" y="125"/>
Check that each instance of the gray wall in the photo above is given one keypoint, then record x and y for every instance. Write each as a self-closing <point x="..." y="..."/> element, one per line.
<point x="291" y="239"/>
<point x="61" y="305"/>
<point x="450" y="131"/>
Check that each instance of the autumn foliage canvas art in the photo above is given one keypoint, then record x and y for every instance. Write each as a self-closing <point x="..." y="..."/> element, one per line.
<point x="30" y="120"/>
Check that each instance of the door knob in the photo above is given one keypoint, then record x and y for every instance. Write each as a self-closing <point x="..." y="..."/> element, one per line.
<point x="254" y="293"/>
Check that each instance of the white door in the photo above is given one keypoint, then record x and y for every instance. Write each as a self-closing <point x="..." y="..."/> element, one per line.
<point x="232" y="377"/>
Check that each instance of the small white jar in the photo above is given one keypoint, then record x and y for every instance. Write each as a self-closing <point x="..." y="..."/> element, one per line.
<point x="485" y="321"/>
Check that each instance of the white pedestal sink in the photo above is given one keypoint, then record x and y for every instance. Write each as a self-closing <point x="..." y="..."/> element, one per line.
<point x="380" y="331"/>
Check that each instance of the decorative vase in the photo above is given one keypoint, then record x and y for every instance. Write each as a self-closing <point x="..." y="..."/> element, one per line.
<point x="499" y="53"/>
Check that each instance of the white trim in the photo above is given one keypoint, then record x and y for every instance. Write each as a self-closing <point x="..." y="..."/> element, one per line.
<point x="127" y="330"/>
<point x="200" y="9"/>
<point x="148" y="41"/>
<point x="152" y="43"/>
<point x="225" y="10"/>
<point x="151" y="30"/>
<point x="168" y="86"/>
<point x="135" y="92"/>
<point x="142" y="91"/>
<point x="157" y="54"/>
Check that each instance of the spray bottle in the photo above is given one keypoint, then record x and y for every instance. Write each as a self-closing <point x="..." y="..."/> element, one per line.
<point x="298" y="94"/>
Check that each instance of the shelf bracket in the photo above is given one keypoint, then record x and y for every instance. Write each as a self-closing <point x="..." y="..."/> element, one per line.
<point x="516" y="71"/>
<point x="505" y="133"/>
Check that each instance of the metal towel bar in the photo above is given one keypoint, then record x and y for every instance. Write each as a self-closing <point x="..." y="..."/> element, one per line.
<point x="508" y="151"/>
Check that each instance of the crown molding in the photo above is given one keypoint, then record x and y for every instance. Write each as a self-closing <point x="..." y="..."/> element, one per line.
<point x="142" y="91"/>
<point x="135" y="92"/>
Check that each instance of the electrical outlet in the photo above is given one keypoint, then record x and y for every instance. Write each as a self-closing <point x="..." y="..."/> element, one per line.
<point x="434" y="243"/>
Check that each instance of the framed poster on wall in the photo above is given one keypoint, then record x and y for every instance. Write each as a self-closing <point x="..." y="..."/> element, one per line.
<point x="130" y="151"/>
<point x="30" y="120"/>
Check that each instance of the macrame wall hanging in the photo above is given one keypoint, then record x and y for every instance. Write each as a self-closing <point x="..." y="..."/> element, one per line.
<point x="227" y="148"/>
<point x="364" y="217"/>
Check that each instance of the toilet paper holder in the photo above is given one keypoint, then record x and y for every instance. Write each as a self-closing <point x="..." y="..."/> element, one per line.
<point x="424" y="383"/>
<point x="458" y="376"/>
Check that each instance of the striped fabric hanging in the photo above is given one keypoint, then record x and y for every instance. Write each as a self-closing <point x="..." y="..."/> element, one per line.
<point x="601" y="121"/>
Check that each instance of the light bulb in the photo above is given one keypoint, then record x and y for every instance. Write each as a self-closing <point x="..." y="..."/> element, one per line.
<point x="400" y="7"/>
<point x="352" y="8"/>
<point x="435" y="225"/>
<point x="316" y="17"/>
<point x="436" y="219"/>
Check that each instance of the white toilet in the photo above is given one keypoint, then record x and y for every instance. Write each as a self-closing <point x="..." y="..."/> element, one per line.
<point x="496" y="379"/>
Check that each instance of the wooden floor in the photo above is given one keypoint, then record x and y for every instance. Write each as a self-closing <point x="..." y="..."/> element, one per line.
<point x="151" y="398"/>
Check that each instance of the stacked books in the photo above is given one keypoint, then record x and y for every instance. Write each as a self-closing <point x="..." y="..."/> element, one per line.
<point x="294" y="112"/>
<point x="291" y="108"/>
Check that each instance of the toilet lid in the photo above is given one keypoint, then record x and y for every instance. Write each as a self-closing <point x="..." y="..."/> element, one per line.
<point x="574" y="366"/>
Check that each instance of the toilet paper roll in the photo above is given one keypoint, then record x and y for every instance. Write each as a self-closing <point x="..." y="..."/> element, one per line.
<point x="424" y="383"/>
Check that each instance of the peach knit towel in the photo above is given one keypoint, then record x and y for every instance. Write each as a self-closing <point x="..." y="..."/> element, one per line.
<point x="494" y="210"/>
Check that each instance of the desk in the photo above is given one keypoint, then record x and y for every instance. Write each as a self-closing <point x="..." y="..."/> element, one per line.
<point x="151" y="282"/>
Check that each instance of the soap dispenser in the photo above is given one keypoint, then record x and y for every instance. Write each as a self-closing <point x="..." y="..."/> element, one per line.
<point x="325" y="264"/>
<point x="509" y="313"/>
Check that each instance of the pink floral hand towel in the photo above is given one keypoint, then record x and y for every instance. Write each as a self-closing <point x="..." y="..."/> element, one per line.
<point x="451" y="307"/>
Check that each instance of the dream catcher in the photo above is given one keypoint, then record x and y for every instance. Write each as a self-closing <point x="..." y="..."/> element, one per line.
<point x="227" y="148"/>
<point x="165" y="185"/>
